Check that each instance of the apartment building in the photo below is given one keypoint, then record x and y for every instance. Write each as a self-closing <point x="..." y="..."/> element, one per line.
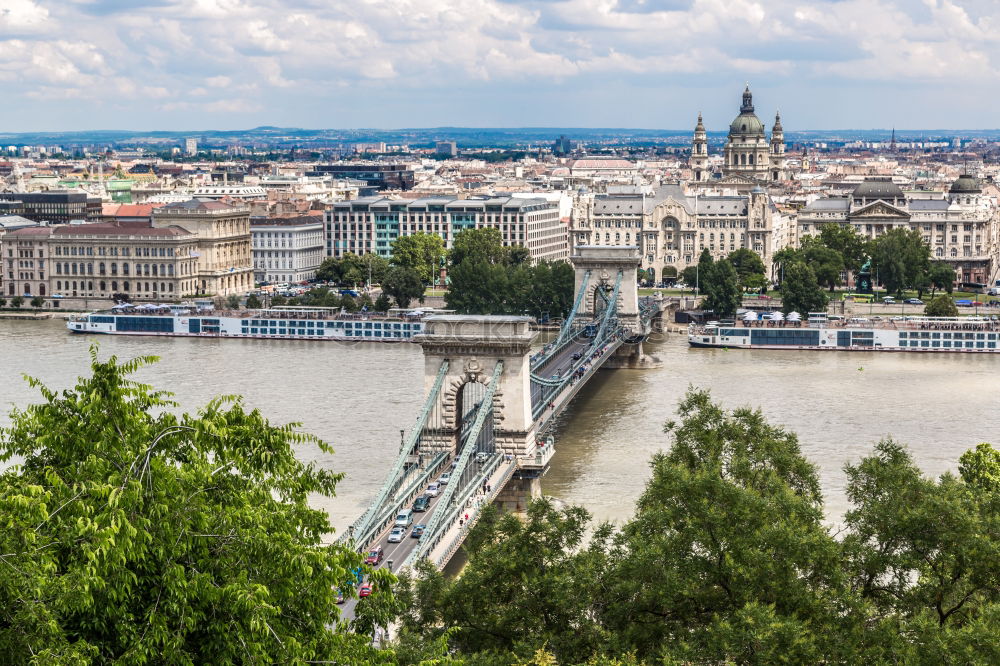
<point x="287" y="249"/>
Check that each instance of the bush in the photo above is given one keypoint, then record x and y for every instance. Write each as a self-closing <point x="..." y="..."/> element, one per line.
<point x="17" y="302"/>
<point x="37" y="302"/>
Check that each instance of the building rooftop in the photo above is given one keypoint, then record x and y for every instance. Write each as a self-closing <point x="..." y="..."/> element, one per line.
<point x="111" y="229"/>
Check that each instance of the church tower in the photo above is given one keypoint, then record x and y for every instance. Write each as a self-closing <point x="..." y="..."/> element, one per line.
<point x="777" y="149"/>
<point x="747" y="151"/>
<point x="699" y="153"/>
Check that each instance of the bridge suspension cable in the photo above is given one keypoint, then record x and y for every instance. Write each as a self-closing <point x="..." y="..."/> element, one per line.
<point x="394" y="479"/>
<point x="443" y="508"/>
<point x="568" y="324"/>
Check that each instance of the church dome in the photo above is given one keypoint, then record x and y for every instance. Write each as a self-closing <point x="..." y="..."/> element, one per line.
<point x="878" y="188"/>
<point x="747" y="122"/>
<point x="965" y="184"/>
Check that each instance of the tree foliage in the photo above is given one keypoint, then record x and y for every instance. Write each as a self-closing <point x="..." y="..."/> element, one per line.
<point x="845" y="240"/>
<point x="728" y="560"/>
<point x="253" y="302"/>
<point x="941" y="305"/>
<point x="353" y="269"/>
<point x="826" y="263"/>
<point x="489" y="278"/>
<point x="900" y="257"/>
<point x="746" y="263"/>
<point x="136" y="535"/>
<point x="800" y="292"/>
<point x="403" y="285"/>
<point x="720" y="285"/>
<point x="941" y="275"/>
<point x="421" y="252"/>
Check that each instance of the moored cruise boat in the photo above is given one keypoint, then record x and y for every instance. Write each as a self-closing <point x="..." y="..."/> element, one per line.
<point x="282" y="323"/>
<point x="904" y="334"/>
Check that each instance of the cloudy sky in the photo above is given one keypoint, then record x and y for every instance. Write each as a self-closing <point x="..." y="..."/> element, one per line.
<point x="230" y="64"/>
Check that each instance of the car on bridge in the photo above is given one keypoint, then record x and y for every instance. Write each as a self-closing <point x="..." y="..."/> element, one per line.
<point x="365" y="590"/>
<point x="422" y="503"/>
<point x="404" y="518"/>
<point x="482" y="456"/>
<point x="444" y="478"/>
<point x="433" y="489"/>
<point x="418" y="530"/>
<point x="375" y="556"/>
<point x="577" y="356"/>
<point x="396" y="535"/>
<point x="340" y="596"/>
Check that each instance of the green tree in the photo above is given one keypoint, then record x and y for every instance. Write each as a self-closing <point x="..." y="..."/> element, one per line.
<point x="746" y="263"/>
<point x="529" y="583"/>
<point x="941" y="275"/>
<point x="484" y="245"/>
<point x="518" y="255"/>
<point x="374" y="267"/>
<point x="353" y="270"/>
<point x="37" y="302"/>
<point x="980" y="467"/>
<point x="422" y="252"/>
<point x="279" y="300"/>
<point x="403" y="285"/>
<point x="329" y="270"/>
<point x="922" y="553"/>
<point x="826" y="263"/>
<point x="3" y="302"/>
<point x="721" y="289"/>
<point x="382" y="303"/>
<point x="900" y="257"/>
<point x="478" y="287"/>
<point x="17" y="301"/>
<point x="845" y="239"/>
<point x="941" y="305"/>
<point x="233" y="301"/>
<point x="133" y="534"/>
<point x="783" y="257"/>
<point x="690" y="276"/>
<point x="253" y="302"/>
<point x="800" y="292"/>
<point x="727" y="553"/>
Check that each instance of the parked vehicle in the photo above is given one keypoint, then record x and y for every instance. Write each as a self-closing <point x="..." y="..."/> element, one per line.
<point x="913" y="301"/>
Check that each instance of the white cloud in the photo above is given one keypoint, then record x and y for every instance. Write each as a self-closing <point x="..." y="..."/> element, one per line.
<point x="240" y="56"/>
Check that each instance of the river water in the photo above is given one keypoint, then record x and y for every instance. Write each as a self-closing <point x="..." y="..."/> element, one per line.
<point x="359" y="396"/>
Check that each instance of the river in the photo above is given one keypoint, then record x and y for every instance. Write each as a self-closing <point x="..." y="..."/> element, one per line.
<point x="359" y="396"/>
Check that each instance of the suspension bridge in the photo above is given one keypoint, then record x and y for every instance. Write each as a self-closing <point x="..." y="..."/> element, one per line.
<point x="481" y="435"/>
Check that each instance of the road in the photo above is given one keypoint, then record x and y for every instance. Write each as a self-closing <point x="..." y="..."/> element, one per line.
<point x="398" y="552"/>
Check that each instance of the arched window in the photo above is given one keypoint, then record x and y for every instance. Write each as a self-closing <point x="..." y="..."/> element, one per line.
<point x="125" y="286"/>
<point x="743" y="159"/>
<point x="125" y="266"/>
<point x="104" y="286"/>
<point x="170" y="270"/>
<point x="58" y="285"/>
<point x="154" y="270"/>
<point x="100" y="267"/>
<point x="41" y="289"/>
<point x="163" y="287"/>
<point x="751" y="159"/>
<point x="74" y="269"/>
<point x="58" y="268"/>
<point x="90" y="269"/>
<point x="939" y="252"/>
<point x="114" y="285"/>
<point x="90" y="286"/>
<point x="954" y="252"/>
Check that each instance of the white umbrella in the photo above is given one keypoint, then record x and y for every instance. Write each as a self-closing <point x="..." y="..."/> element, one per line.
<point x="777" y="316"/>
<point x="794" y="316"/>
<point x="750" y="316"/>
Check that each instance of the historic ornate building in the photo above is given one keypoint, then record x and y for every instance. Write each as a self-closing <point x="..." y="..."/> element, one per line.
<point x="671" y="227"/>
<point x="750" y="157"/>
<point x="959" y="225"/>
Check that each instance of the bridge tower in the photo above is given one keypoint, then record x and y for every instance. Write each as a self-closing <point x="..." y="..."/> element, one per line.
<point x="597" y="267"/>
<point x="472" y="345"/>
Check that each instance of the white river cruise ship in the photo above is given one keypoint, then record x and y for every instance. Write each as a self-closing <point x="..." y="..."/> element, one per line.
<point x="900" y="334"/>
<point x="282" y="323"/>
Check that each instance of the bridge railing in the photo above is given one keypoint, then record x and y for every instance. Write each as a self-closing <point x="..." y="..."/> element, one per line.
<point x="436" y="520"/>
<point x="399" y="469"/>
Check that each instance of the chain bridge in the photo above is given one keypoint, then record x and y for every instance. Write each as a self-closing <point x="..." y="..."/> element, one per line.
<point x="482" y="432"/>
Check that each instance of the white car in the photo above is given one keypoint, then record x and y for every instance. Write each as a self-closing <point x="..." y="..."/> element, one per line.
<point x="396" y="535"/>
<point x="444" y="478"/>
<point x="434" y="489"/>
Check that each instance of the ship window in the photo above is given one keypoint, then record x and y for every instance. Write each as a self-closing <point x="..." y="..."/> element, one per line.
<point x="980" y="336"/>
<point x="925" y="343"/>
<point x="936" y="336"/>
<point x="968" y="345"/>
<point x="947" y="343"/>
<point x="980" y="345"/>
<point x="902" y="335"/>
<point x="991" y="345"/>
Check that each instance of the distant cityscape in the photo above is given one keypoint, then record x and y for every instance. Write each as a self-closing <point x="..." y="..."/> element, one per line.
<point x="224" y="212"/>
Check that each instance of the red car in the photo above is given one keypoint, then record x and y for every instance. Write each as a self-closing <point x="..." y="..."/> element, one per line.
<point x="365" y="590"/>
<point x="374" y="556"/>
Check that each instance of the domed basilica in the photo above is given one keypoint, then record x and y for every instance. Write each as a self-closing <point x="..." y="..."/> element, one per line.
<point x="749" y="156"/>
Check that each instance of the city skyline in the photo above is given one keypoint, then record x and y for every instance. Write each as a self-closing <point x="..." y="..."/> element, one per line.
<point x="232" y="64"/>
